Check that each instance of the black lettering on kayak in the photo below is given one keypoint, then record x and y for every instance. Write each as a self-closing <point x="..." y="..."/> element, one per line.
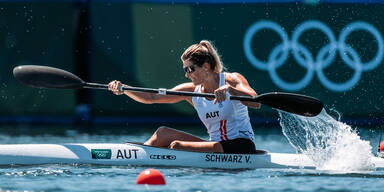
<point x="235" y="158"/>
<point x="119" y="154"/>
<point x="135" y="152"/>
<point x="127" y="154"/>
<point x="230" y="158"/>
<point x="247" y="159"/>
<point x="225" y="158"/>
<point x="163" y="157"/>
<point x="207" y="158"/>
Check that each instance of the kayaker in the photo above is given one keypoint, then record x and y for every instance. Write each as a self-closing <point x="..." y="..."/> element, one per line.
<point x="227" y="121"/>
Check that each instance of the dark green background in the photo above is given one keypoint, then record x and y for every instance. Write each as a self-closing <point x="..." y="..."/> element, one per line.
<point x="141" y="43"/>
<point x="35" y="34"/>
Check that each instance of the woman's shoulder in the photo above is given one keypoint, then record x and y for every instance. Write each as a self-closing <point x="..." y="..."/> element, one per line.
<point x="189" y="86"/>
<point x="234" y="77"/>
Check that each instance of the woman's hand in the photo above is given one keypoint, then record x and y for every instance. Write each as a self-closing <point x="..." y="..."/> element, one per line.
<point x="221" y="93"/>
<point x="116" y="87"/>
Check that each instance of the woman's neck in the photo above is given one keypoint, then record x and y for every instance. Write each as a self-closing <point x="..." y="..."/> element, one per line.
<point x="211" y="82"/>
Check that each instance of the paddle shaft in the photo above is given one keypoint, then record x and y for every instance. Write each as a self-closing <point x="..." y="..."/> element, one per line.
<point x="167" y="92"/>
<point x="49" y="77"/>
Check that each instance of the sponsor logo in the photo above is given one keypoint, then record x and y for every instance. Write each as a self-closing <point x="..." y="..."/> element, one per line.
<point x="127" y="154"/>
<point x="163" y="157"/>
<point x="212" y="114"/>
<point x="101" y="153"/>
<point x="225" y="158"/>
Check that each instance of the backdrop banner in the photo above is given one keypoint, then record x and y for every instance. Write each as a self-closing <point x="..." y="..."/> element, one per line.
<point x="332" y="51"/>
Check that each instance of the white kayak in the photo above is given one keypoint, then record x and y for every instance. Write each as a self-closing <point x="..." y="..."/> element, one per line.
<point x="135" y="154"/>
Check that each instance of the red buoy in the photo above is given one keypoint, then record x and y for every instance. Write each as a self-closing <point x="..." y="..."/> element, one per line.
<point x="150" y="177"/>
<point x="381" y="147"/>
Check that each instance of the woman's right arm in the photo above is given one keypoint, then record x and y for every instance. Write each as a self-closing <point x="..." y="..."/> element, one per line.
<point x="149" y="98"/>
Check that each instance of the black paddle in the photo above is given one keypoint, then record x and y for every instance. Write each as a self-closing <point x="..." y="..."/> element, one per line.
<point x="49" y="77"/>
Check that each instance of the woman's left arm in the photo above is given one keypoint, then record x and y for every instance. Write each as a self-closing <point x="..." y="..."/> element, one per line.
<point x="239" y="86"/>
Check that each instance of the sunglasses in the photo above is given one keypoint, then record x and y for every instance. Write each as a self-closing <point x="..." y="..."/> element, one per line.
<point x="189" y="69"/>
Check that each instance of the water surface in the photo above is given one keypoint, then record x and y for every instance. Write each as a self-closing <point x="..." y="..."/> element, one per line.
<point x="123" y="178"/>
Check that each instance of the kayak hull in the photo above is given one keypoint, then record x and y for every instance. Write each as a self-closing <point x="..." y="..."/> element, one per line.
<point x="133" y="154"/>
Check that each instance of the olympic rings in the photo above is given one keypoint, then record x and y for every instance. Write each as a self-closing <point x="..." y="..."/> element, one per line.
<point x="304" y="57"/>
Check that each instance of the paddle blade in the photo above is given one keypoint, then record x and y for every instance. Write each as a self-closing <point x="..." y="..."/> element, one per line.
<point x="293" y="103"/>
<point x="46" y="77"/>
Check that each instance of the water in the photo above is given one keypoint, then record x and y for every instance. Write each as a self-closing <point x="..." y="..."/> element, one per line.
<point x="331" y="144"/>
<point x="123" y="178"/>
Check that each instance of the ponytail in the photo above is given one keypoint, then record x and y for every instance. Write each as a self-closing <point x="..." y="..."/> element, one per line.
<point x="204" y="52"/>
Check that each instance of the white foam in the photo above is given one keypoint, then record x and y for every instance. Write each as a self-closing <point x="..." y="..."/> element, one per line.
<point x="331" y="144"/>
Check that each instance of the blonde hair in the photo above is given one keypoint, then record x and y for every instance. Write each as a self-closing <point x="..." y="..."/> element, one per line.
<point x="203" y="52"/>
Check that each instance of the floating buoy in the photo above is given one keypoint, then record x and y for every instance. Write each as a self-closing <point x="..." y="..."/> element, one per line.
<point x="150" y="177"/>
<point x="381" y="147"/>
<point x="380" y="152"/>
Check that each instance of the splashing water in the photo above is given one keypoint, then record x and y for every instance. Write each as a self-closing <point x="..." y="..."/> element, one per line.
<point x="331" y="144"/>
